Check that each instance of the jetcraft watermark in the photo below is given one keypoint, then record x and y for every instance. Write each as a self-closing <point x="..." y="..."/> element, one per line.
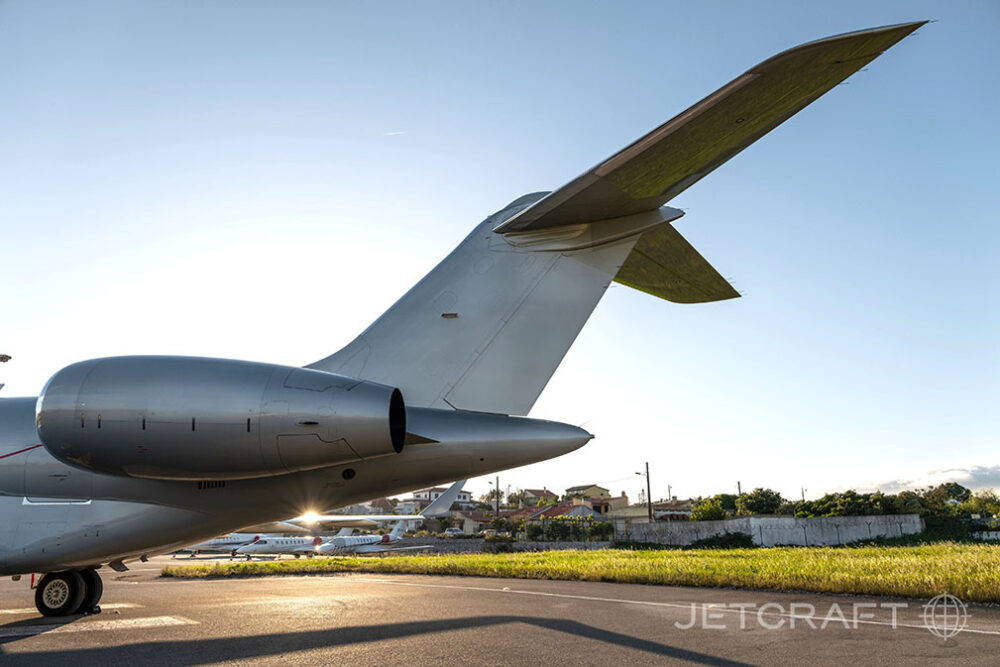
<point x="944" y="616"/>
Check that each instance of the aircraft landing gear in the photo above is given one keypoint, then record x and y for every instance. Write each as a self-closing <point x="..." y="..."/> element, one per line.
<point x="70" y="592"/>
<point x="95" y="589"/>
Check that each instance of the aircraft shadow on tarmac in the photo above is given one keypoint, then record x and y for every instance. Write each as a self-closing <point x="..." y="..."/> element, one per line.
<point x="198" y="651"/>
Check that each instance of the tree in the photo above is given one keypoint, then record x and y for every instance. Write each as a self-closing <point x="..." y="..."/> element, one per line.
<point x="500" y="524"/>
<point x="727" y="500"/>
<point x="909" y="502"/>
<point x="491" y="496"/>
<point x="534" y="531"/>
<point x="940" y="498"/>
<point x="984" y="503"/>
<point x="788" y="508"/>
<point x="517" y="498"/>
<point x="759" y="501"/>
<point x="709" y="509"/>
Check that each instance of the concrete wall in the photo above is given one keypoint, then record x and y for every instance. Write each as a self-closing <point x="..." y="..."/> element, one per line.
<point x="771" y="531"/>
<point x="987" y="535"/>
<point x="475" y="545"/>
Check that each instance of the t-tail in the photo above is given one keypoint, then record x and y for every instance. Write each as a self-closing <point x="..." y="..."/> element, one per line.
<point x="442" y="504"/>
<point x="486" y="329"/>
<point x="397" y="531"/>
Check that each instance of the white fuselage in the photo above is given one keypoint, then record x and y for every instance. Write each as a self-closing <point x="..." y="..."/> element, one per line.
<point x="357" y="544"/>
<point x="224" y="543"/>
<point x="276" y="546"/>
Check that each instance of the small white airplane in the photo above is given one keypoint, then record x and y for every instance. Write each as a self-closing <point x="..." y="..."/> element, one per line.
<point x="365" y="544"/>
<point x="278" y="546"/>
<point x="224" y="544"/>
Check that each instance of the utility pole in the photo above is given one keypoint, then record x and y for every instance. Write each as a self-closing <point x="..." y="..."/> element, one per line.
<point x="803" y="494"/>
<point x="649" y="495"/>
<point x="497" y="513"/>
<point x="739" y="491"/>
<point x="669" y="495"/>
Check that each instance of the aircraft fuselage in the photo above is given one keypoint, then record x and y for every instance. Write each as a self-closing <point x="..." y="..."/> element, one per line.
<point x="58" y="517"/>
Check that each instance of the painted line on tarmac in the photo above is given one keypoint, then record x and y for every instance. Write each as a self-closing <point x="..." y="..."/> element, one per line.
<point x="671" y="605"/>
<point x="113" y="605"/>
<point x="92" y="626"/>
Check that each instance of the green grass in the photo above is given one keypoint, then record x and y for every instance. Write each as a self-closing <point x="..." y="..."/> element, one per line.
<point x="970" y="571"/>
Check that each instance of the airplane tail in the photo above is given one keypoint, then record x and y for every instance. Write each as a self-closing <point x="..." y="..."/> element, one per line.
<point x="485" y="330"/>
<point x="442" y="504"/>
<point x="397" y="530"/>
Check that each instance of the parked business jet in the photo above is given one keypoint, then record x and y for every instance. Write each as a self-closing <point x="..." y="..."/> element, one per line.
<point x="224" y="544"/>
<point x="123" y="457"/>
<point x="278" y="546"/>
<point x="366" y="544"/>
<point x="298" y="546"/>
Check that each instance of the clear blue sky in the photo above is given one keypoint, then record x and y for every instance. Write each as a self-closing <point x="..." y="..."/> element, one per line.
<point x="261" y="180"/>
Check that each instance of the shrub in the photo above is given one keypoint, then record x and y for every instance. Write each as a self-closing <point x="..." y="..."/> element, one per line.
<point x="602" y="530"/>
<point x="579" y="532"/>
<point x="558" y="531"/>
<point x="709" y="509"/>
<point x="726" y="541"/>
<point x="498" y="544"/>
<point x="759" y="501"/>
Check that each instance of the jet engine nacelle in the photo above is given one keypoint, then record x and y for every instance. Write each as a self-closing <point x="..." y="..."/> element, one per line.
<point x="189" y="418"/>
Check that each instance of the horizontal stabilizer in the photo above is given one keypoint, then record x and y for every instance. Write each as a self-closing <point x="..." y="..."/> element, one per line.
<point x="664" y="264"/>
<point x="682" y="151"/>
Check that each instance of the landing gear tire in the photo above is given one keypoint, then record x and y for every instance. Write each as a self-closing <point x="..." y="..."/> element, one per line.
<point x="95" y="589"/>
<point x="60" y="593"/>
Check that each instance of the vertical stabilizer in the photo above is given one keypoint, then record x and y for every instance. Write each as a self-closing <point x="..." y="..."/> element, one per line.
<point x="487" y="328"/>
<point x="442" y="504"/>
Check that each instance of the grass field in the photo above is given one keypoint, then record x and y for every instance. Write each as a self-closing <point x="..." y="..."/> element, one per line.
<point x="970" y="571"/>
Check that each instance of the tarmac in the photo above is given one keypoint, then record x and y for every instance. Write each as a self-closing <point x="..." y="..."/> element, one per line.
<point x="358" y="620"/>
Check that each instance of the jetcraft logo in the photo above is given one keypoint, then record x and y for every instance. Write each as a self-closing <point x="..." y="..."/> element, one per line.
<point x="945" y="616"/>
<point x="775" y="616"/>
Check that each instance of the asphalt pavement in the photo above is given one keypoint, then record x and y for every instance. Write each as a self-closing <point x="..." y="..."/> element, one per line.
<point x="359" y="620"/>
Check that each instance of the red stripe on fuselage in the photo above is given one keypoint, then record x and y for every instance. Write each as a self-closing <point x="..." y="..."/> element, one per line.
<point x="20" y="451"/>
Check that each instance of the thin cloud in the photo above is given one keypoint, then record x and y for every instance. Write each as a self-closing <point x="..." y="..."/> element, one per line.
<point x="975" y="478"/>
<point x="392" y="134"/>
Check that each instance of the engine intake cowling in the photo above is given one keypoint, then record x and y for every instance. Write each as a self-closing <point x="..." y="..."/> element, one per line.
<point x="190" y="418"/>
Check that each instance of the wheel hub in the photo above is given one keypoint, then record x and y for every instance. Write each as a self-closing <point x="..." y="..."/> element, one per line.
<point x="55" y="594"/>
